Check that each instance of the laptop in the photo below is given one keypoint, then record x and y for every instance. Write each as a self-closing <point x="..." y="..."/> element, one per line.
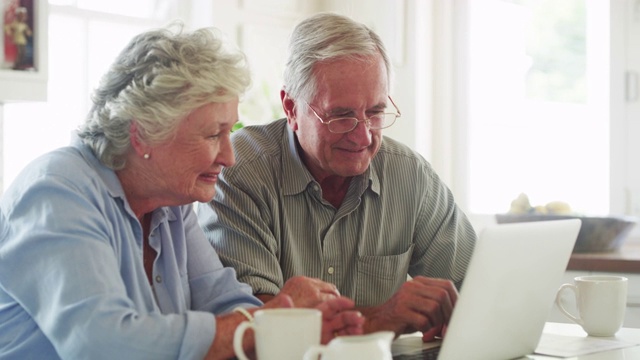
<point x="507" y="294"/>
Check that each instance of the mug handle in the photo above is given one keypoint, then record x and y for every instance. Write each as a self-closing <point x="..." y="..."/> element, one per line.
<point x="561" y="307"/>
<point x="237" y="339"/>
<point x="314" y="351"/>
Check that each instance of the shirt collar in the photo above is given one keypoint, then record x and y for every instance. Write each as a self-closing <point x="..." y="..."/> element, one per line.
<point x="107" y="175"/>
<point x="111" y="181"/>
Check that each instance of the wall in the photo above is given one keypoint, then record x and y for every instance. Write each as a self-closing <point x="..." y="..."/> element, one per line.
<point x="631" y="82"/>
<point x="625" y="109"/>
<point x="398" y="23"/>
<point x="402" y="24"/>
<point x="261" y="28"/>
<point x="426" y="124"/>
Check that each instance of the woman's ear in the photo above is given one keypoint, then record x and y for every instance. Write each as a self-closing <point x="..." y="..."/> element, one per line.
<point x="289" y="107"/>
<point x="141" y="149"/>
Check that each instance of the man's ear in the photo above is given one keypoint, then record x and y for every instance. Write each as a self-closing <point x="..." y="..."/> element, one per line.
<point x="289" y="107"/>
<point x="138" y="145"/>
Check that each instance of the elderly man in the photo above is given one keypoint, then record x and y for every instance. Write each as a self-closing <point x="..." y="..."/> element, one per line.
<point x="324" y="194"/>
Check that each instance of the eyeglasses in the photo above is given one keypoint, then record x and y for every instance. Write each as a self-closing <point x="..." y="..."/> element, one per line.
<point x="345" y="124"/>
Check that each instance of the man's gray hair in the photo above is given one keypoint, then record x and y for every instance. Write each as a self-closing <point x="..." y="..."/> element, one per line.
<point x="157" y="80"/>
<point x="323" y="37"/>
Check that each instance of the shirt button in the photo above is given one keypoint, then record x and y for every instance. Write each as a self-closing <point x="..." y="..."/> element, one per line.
<point x="158" y="278"/>
<point x="330" y="270"/>
<point x="315" y="187"/>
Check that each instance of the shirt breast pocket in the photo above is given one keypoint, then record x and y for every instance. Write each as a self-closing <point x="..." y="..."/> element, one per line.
<point x="379" y="277"/>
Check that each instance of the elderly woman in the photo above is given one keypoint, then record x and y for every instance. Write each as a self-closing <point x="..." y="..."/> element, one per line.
<point x="101" y="255"/>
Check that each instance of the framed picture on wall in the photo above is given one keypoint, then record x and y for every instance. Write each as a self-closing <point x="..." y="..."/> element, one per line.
<point x="23" y="50"/>
<point x="18" y="49"/>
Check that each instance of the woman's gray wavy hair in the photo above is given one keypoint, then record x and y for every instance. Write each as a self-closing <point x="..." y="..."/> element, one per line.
<point x="157" y="80"/>
<point x="323" y="37"/>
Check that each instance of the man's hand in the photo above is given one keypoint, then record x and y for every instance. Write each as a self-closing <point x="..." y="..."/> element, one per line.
<point x="309" y="292"/>
<point x="422" y="304"/>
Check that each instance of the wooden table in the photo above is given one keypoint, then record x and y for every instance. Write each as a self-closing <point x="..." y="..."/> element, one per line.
<point x="625" y="260"/>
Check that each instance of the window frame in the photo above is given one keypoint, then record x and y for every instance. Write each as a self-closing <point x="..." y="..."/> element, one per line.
<point x="451" y="122"/>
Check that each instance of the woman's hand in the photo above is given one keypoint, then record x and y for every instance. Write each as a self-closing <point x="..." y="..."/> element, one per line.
<point x="339" y="319"/>
<point x="338" y="314"/>
<point x="279" y="301"/>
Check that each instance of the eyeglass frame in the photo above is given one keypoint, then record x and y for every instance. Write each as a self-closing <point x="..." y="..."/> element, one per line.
<point x="367" y="121"/>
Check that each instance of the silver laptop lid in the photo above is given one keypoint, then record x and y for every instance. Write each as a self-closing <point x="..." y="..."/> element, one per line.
<point x="509" y="289"/>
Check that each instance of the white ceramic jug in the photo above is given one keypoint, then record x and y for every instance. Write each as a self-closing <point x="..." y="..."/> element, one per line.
<point x="374" y="346"/>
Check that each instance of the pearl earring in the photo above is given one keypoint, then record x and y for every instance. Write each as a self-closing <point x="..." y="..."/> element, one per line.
<point x="146" y="156"/>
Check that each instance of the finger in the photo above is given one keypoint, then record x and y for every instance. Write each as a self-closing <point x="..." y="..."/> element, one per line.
<point x="326" y="296"/>
<point x="345" y="323"/>
<point x="431" y="334"/>
<point x="280" y="301"/>
<point x="327" y="288"/>
<point x="332" y="292"/>
<point x="345" y="319"/>
<point x="444" y="284"/>
<point x="349" y="330"/>
<point x="335" y="305"/>
<point x="424" y="319"/>
<point x="439" y="306"/>
<point x="421" y="313"/>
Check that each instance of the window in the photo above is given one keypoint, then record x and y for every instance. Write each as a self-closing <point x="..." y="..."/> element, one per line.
<point x="84" y="38"/>
<point x="537" y="91"/>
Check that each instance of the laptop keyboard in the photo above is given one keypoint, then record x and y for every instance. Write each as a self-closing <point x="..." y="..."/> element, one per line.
<point x="425" y="354"/>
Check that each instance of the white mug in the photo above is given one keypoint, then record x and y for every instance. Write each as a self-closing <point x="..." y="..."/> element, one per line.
<point x="601" y="301"/>
<point x="281" y="334"/>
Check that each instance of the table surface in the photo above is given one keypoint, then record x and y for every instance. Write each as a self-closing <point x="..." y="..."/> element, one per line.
<point x="624" y="260"/>
<point x="630" y="335"/>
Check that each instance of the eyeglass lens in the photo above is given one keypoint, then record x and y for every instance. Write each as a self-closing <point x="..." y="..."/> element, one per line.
<point x="375" y="122"/>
